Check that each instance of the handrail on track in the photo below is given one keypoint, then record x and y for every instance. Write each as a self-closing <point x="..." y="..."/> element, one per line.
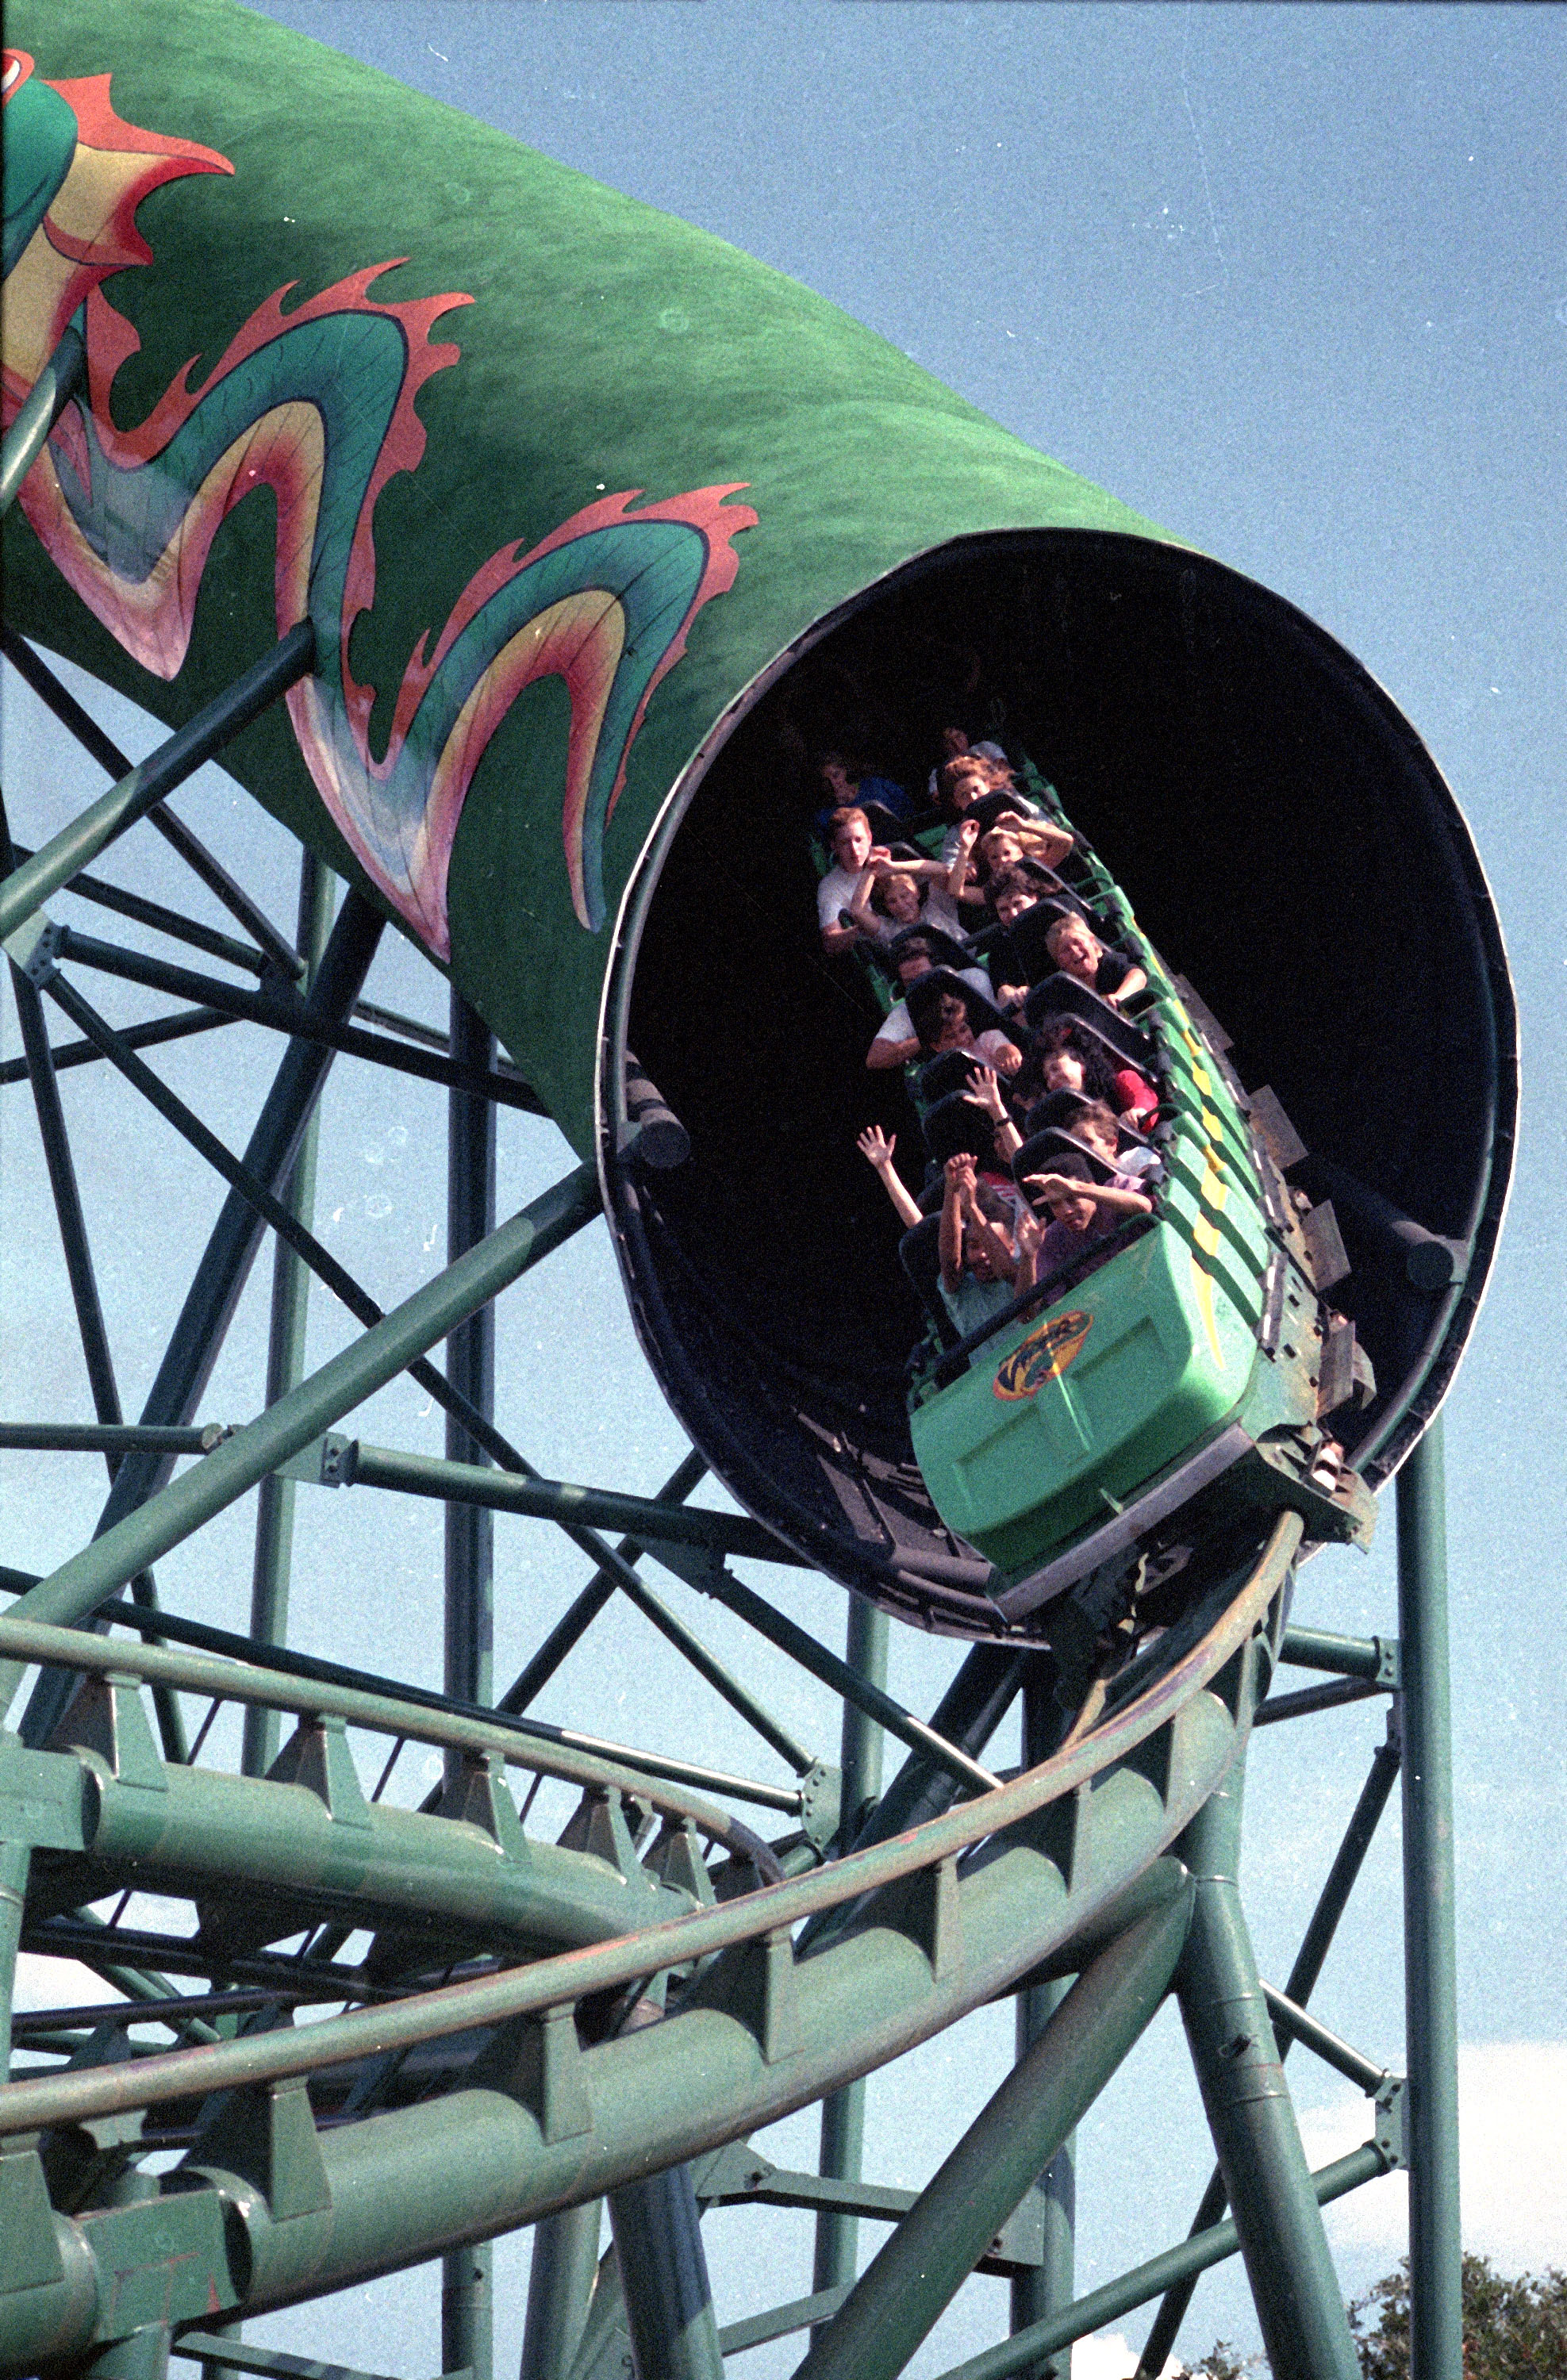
<point x="552" y="1982"/>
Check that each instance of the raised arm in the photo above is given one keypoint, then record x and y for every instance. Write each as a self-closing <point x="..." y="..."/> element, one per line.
<point x="984" y="1092"/>
<point x="1043" y="841"/>
<point x="1068" y="1185"/>
<point x="877" y="1150"/>
<point x="958" y="1181"/>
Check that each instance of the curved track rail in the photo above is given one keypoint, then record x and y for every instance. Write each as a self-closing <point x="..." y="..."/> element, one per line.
<point x="1044" y="1869"/>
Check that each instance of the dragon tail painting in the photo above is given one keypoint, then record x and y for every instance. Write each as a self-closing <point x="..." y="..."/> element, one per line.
<point x="317" y="401"/>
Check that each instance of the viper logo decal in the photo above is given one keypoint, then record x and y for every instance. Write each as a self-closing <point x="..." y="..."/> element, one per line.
<point x="1042" y="1356"/>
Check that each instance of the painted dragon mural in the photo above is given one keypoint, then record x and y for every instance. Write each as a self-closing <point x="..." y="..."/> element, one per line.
<point x="318" y="403"/>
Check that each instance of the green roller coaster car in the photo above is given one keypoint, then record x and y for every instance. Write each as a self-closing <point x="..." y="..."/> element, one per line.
<point x="1192" y="1364"/>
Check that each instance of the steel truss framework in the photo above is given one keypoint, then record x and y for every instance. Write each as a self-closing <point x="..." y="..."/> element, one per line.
<point x="540" y="2026"/>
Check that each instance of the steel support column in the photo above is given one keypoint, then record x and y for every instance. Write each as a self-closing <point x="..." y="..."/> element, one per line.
<point x="560" y="2289"/>
<point x="1436" y="2249"/>
<point x="1304" y="2328"/>
<point x="15" y="1859"/>
<point x="1047" y="2287"/>
<point x="843" y="2112"/>
<point x="226" y="1263"/>
<point x="663" y="2273"/>
<point x="285" y="1349"/>
<point x="467" y="2274"/>
<point x="1316" y="1943"/>
<point x="914" y="2277"/>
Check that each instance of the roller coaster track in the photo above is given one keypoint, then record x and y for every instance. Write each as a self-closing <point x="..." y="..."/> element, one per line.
<point x="1071" y="1854"/>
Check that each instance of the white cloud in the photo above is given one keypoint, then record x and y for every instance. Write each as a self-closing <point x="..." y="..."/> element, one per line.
<point x="58" y="1983"/>
<point x="1512" y="2159"/>
<point x="1110" y="2355"/>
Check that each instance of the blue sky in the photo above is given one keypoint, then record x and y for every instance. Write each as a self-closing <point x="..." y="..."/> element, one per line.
<point x="1291" y="280"/>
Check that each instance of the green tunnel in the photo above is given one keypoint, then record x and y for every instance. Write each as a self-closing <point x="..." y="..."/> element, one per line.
<point x="604" y="529"/>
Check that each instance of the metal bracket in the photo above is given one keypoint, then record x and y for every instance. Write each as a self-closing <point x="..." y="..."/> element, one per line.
<point x="822" y="1794"/>
<point x="1388" y="2139"/>
<point x="1389" y="1663"/>
<point x="34" y="948"/>
<point x="329" y="1462"/>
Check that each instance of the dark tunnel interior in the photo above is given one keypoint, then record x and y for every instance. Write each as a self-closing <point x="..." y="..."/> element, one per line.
<point x="1291" y="849"/>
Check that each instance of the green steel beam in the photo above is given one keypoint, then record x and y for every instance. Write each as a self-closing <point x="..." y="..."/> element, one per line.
<point x="651" y="1520"/>
<point x="1375" y="1657"/>
<point x="273" y="1558"/>
<point x="524" y="1744"/>
<point x="244" y="956"/>
<point x="1309" y="1959"/>
<point x="215" y="725"/>
<point x="1295" y="2023"/>
<point x="468" y="2329"/>
<point x="1194" y="2256"/>
<point x="80" y="1273"/>
<point x="221" y="1273"/>
<point x="843" y="2112"/>
<point x="663" y="2278"/>
<point x="264" y="1444"/>
<point x="282" y="1011"/>
<point x="560" y="2288"/>
<point x="1436" y="2242"/>
<point x="1312" y="1699"/>
<point x="1299" y="2305"/>
<point x="574" y="1622"/>
<point x="285" y="1664"/>
<point x="35" y="672"/>
<point x="37" y="414"/>
<point x="1047" y="2289"/>
<point x="914" y="2277"/>
<point x="106" y="1438"/>
<point x="708" y="1573"/>
<point x="15" y="1858"/>
<point x="220" y="2353"/>
<point x="65" y="1055"/>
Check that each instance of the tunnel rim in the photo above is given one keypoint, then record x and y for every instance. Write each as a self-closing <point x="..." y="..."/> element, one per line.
<point x="1429" y="1375"/>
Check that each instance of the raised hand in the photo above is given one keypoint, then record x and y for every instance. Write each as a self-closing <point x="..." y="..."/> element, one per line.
<point x="876" y="1148"/>
<point x="984" y="1092"/>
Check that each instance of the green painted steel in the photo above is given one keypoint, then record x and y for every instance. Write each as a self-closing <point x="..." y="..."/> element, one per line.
<point x="210" y="730"/>
<point x="573" y="375"/>
<point x="908" y="2286"/>
<point x="1308" y="1966"/>
<point x="539" y="2125"/>
<point x="560" y="2286"/>
<point x="842" y="2114"/>
<point x="1436" y="2244"/>
<point x="1299" y="2304"/>
<point x="38" y="413"/>
<point x="285" y="1345"/>
<point x="81" y="1584"/>
<point x="14" y="1859"/>
<point x="650" y="1519"/>
<point x="1195" y="2256"/>
<point x="547" y="1752"/>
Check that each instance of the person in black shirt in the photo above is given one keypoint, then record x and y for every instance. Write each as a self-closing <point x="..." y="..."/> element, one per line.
<point x="1079" y="952"/>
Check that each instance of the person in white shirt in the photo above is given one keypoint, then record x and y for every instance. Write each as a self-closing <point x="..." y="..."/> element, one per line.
<point x="897" y="1043"/>
<point x="852" y="851"/>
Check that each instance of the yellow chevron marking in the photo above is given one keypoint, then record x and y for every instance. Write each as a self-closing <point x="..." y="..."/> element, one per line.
<point x="1204" y="1288"/>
